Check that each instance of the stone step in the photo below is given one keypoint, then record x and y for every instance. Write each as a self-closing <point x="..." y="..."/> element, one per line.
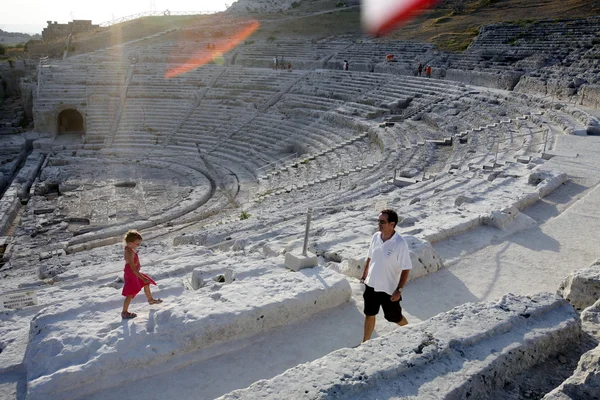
<point x="465" y="352"/>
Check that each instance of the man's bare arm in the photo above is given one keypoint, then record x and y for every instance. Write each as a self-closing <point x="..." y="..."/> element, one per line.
<point x="403" y="278"/>
<point x="366" y="271"/>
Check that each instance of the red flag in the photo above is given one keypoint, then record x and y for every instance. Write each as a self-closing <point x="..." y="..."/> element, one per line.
<point x="381" y="16"/>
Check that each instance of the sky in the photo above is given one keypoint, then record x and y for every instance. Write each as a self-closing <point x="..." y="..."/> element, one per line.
<point x="30" y="16"/>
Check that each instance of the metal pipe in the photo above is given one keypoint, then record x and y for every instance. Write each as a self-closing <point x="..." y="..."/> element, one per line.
<point x="309" y="212"/>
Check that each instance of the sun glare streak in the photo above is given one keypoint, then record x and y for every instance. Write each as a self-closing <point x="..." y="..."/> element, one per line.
<point x="215" y="54"/>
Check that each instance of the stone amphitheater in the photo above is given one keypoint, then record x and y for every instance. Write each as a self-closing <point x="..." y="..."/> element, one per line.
<point x="492" y="163"/>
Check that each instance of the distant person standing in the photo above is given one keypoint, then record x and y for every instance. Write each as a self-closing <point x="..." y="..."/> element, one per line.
<point x="420" y="69"/>
<point x="428" y="71"/>
<point x="275" y="62"/>
<point x="346" y="66"/>
<point x="386" y="272"/>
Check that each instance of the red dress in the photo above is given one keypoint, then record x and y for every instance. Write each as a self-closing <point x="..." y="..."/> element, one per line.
<point x="133" y="284"/>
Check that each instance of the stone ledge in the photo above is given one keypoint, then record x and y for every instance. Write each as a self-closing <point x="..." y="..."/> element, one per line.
<point x="194" y="322"/>
<point x="466" y="352"/>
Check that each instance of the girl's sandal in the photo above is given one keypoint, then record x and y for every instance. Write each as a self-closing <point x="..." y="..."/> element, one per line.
<point x="128" y="315"/>
<point x="155" y="301"/>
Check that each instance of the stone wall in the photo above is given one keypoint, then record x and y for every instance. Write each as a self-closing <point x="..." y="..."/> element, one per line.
<point x="12" y="76"/>
<point x="497" y="80"/>
<point x="590" y="95"/>
<point x="46" y="121"/>
<point x="504" y="80"/>
<point x="583" y="94"/>
<point x="2" y="92"/>
<point x="56" y="31"/>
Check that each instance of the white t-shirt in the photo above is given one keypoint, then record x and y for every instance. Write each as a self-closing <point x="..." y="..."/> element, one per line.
<point x="388" y="259"/>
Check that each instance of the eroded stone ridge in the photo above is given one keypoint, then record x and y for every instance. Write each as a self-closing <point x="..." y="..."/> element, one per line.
<point x="66" y="365"/>
<point x="468" y="351"/>
<point x="582" y="287"/>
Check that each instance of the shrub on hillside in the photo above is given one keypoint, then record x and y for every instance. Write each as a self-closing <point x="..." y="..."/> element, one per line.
<point x="458" y="7"/>
<point x="2" y="50"/>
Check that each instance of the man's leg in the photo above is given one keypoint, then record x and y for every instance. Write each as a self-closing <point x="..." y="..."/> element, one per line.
<point x="392" y="310"/>
<point x="369" y="327"/>
<point x="371" y="309"/>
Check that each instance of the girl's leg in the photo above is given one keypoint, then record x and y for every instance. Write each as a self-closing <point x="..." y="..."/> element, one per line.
<point x="151" y="300"/>
<point x="148" y="293"/>
<point x="126" y="303"/>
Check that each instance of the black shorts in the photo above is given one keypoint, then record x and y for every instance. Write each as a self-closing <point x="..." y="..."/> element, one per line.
<point x="391" y="309"/>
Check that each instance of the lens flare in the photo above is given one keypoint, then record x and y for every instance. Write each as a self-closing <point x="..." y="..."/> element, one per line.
<point x="381" y="16"/>
<point x="216" y="52"/>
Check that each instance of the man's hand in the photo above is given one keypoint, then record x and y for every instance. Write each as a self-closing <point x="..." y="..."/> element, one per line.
<point x="397" y="295"/>
<point x="362" y="280"/>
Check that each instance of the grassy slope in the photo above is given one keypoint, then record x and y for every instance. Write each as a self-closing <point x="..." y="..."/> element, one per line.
<point x="441" y="25"/>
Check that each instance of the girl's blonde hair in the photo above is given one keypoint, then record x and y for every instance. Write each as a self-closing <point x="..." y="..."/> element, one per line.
<point x="131" y="236"/>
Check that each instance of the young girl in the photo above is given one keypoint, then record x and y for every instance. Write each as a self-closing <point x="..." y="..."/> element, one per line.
<point x="134" y="279"/>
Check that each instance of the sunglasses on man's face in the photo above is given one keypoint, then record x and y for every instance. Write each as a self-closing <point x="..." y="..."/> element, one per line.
<point x="382" y="221"/>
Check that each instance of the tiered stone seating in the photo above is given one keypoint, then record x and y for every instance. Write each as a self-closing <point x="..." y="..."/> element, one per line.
<point x="338" y="85"/>
<point x="210" y="121"/>
<point x="380" y="90"/>
<point x="261" y="54"/>
<point x="102" y="109"/>
<point x="255" y="79"/>
<point x="61" y="83"/>
<point x="348" y="157"/>
<point x="515" y="42"/>
<point x="150" y="118"/>
<point x="367" y="52"/>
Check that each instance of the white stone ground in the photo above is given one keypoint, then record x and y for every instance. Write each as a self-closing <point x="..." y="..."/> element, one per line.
<point x="526" y="262"/>
<point x="486" y="263"/>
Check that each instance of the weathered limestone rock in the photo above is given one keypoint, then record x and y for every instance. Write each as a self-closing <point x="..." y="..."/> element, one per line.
<point x="584" y="383"/>
<point x="582" y="287"/>
<point x="461" y="199"/>
<point x="590" y="320"/>
<point x="202" y="276"/>
<point x="590" y="95"/>
<point x="195" y="322"/>
<point x="48" y="269"/>
<point x="501" y="219"/>
<point x="467" y="352"/>
<point x="506" y="80"/>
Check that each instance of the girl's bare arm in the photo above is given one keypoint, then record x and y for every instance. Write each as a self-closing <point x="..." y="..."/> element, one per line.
<point x="130" y="259"/>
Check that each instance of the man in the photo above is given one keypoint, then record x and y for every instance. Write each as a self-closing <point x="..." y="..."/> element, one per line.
<point x="386" y="272"/>
<point x="420" y="69"/>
